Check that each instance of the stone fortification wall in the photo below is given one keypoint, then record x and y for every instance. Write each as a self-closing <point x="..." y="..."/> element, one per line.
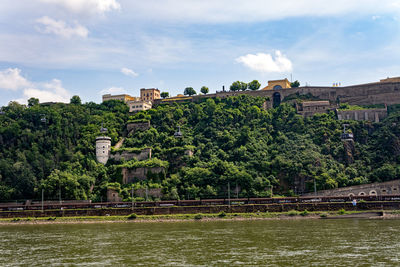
<point x="385" y="188"/>
<point x="134" y="126"/>
<point x="131" y="175"/>
<point x="127" y="155"/>
<point x="364" y="94"/>
<point x="375" y="115"/>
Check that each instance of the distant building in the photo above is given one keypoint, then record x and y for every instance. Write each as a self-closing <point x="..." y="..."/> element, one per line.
<point x="149" y="94"/>
<point x="124" y="97"/>
<point x="373" y="115"/>
<point x="277" y="84"/>
<point x="390" y="80"/>
<point x="139" y="105"/>
<point x="309" y="108"/>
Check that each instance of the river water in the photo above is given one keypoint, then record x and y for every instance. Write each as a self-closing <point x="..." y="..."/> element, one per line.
<point x="308" y="242"/>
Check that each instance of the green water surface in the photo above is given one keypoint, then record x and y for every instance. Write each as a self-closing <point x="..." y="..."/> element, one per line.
<point x="347" y="242"/>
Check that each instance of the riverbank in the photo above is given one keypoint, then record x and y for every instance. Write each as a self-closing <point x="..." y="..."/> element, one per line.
<point x="133" y="218"/>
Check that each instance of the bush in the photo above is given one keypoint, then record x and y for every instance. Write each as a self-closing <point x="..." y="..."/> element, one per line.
<point x="222" y="214"/>
<point x="304" y="213"/>
<point x="323" y="215"/>
<point x="132" y="216"/>
<point x="342" y="211"/>
<point x="293" y="213"/>
<point x="198" y="217"/>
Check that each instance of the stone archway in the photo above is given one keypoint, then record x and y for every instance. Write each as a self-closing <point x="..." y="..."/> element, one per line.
<point x="276" y="99"/>
<point x="373" y="193"/>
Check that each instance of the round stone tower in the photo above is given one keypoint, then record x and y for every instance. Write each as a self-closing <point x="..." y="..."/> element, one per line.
<point x="103" y="147"/>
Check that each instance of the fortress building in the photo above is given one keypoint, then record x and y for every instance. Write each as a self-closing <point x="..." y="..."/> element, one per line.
<point x="149" y="94"/>
<point x="103" y="147"/>
<point x="124" y="98"/>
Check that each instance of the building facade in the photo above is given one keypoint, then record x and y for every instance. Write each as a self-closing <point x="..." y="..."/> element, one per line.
<point x="149" y="94"/>
<point x="277" y="84"/>
<point x="124" y="97"/>
<point x="139" y="105"/>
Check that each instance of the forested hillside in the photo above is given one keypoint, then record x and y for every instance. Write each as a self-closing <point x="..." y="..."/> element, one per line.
<point x="234" y="141"/>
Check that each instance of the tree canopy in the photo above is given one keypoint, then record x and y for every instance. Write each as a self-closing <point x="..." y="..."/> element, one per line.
<point x="238" y="86"/>
<point x="189" y="91"/>
<point x="204" y="90"/>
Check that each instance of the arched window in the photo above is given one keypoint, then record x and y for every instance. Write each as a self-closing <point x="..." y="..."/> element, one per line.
<point x="277" y="87"/>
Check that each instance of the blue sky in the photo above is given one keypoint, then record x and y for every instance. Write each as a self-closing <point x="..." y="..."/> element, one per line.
<point x="53" y="49"/>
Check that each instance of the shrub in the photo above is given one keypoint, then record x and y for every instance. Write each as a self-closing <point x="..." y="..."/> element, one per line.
<point x="198" y="217"/>
<point x="132" y="216"/>
<point x="342" y="211"/>
<point x="304" y="213"/>
<point x="323" y="215"/>
<point x="293" y="213"/>
<point x="222" y="214"/>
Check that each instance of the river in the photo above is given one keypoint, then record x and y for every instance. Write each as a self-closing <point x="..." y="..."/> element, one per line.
<point x="307" y="242"/>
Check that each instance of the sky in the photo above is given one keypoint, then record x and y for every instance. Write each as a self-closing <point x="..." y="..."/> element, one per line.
<point x="54" y="49"/>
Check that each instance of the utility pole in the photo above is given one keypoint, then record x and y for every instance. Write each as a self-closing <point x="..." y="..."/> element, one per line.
<point x="59" y="191"/>
<point x="315" y="188"/>
<point x="147" y="194"/>
<point x="229" y="195"/>
<point x="237" y="191"/>
<point x="272" y="191"/>
<point x="132" y="197"/>
<point x="42" y="198"/>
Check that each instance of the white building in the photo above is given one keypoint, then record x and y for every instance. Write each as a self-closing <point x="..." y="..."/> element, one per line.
<point x="135" y="106"/>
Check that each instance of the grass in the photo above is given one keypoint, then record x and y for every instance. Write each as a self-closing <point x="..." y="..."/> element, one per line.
<point x="183" y="217"/>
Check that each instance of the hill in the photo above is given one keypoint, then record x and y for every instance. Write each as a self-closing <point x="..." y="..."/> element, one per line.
<point x="233" y="141"/>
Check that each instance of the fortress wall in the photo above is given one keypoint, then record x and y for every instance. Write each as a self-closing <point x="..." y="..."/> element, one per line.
<point x="138" y="126"/>
<point x="126" y="155"/>
<point x="364" y="94"/>
<point x="130" y="175"/>
<point x="385" y="188"/>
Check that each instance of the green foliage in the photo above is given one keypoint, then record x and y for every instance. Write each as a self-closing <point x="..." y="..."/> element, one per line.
<point x="76" y="100"/>
<point x="164" y="95"/>
<point x="150" y="163"/>
<point x="33" y="102"/>
<point x="238" y="86"/>
<point x="304" y="213"/>
<point x="342" y="211"/>
<point x="222" y="214"/>
<point x="233" y="140"/>
<point x="293" y="213"/>
<point x="296" y="83"/>
<point x="204" y="90"/>
<point x="254" y="85"/>
<point x="189" y="91"/>
<point x="198" y="216"/>
<point x="132" y="216"/>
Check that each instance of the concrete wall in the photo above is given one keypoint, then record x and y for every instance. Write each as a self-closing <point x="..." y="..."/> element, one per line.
<point x="385" y="188"/>
<point x="375" y="115"/>
<point x="113" y="196"/>
<point x="126" y="155"/>
<point x="151" y="192"/>
<point x="131" y="175"/>
<point x="143" y="126"/>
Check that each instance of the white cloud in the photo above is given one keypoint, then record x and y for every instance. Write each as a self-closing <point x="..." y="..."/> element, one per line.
<point x="129" y="72"/>
<point x="47" y="92"/>
<point x="12" y="79"/>
<point x="86" y="6"/>
<point x="113" y="91"/>
<point x="59" y="27"/>
<point x="266" y="63"/>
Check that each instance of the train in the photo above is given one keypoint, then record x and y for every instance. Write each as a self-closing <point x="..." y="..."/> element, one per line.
<point x="87" y="204"/>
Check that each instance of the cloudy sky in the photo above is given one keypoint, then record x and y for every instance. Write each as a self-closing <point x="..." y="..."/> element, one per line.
<point x="53" y="49"/>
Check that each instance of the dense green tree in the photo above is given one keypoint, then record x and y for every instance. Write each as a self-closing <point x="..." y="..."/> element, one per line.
<point x="33" y="101"/>
<point x="164" y="95"/>
<point x="189" y="91"/>
<point x="237" y="86"/>
<point x="76" y="100"/>
<point x="204" y="90"/>
<point x="296" y="83"/>
<point x="254" y="85"/>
